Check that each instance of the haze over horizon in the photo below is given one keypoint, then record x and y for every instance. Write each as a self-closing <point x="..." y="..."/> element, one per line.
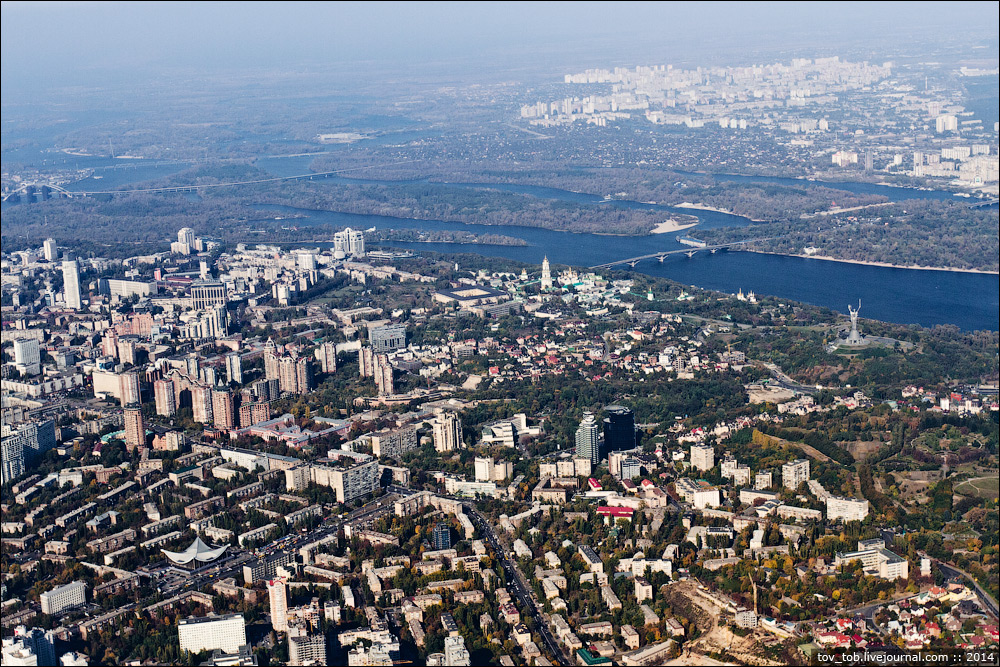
<point x="54" y="44"/>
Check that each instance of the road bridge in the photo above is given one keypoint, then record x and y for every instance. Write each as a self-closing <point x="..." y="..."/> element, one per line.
<point x="663" y="254"/>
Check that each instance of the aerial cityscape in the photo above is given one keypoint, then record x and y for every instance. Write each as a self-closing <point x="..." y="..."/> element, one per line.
<point x="500" y="334"/>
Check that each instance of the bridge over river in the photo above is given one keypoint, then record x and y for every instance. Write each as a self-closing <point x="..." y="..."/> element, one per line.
<point x="663" y="254"/>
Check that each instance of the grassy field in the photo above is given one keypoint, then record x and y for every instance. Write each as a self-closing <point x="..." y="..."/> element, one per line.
<point x="983" y="487"/>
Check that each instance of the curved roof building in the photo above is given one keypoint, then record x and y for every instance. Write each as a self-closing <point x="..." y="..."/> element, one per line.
<point x="196" y="555"/>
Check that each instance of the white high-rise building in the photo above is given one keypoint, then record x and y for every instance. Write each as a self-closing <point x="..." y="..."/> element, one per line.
<point x="41" y="643"/>
<point x="588" y="439"/>
<point x="16" y="652"/>
<point x="186" y="236"/>
<point x="27" y="358"/>
<point x="70" y="595"/>
<point x="71" y="284"/>
<point x="847" y="509"/>
<point x="702" y="457"/>
<point x="50" y="250"/>
<point x="455" y="653"/>
<point x="206" y="633"/>
<point x="349" y="242"/>
<point x="277" y="593"/>
<point x="447" y="432"/>
<point x="795" y="473"/>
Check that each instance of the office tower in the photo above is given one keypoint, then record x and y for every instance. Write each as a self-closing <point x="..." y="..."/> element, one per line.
<point x="702" y="457"/>
<point x="71" y="284"/>
<point x="70" y="595"/>
<point x="225" y="632"/>
<point x="441" y="536"/>
<point x="208" y="293"/>
<point x="387" y="338"/>
<point x="277" y="593"/>
<point x="234" y="368"/>
<point x="795" y="473"/>
<point x="128" y="389"/>
<point x="447" y="432"/>
<point x="383" y="375"/>
<point x="50" y="250"/>
<point x="166" y="399"/>
<point x="588" y="440"/>
<point x="135" y="427"/>
<point x="27" y="357"/>
<point x="619" y="429"/>
<point x="348" y="242"/>
<point x="546" y="281"/>
<point x="223" y="409"/>
<point x="327" y="356"/>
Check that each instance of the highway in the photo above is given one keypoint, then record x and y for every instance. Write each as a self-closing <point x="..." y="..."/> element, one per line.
<point x="517" y="583"/>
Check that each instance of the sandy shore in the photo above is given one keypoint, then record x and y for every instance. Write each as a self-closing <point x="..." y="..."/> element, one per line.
<point x="703" y="207"/>
<point x="889" y="265"/>
<point x="671" y="226"/>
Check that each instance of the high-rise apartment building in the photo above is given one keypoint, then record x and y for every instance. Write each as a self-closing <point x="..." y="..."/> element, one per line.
<point x="223" y="409"/>
<point x="135" y="427"/>
<point x="166" y="398"/>
<point x="441" y="536"/>
<point x="383" y="375"/>
<point x="588" y="441"/>
<point x="277" y="594"/>
<point x="447" y="432"/>
<point x="234" y="368"/>
<point x="327" y="357"/>
<point x="201" y="405"/>
<point x="795" y="473"/>
<point x="71" y="284"/>
<point x="128" y="389"/>
<point x="366" y="362"/>
<point x="702" y="457"/>
<point x="41" y="643"/>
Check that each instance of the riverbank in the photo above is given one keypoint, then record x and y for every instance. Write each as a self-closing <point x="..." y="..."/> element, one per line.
<point x="714" y="209"/>
<point x="886" y="265"/>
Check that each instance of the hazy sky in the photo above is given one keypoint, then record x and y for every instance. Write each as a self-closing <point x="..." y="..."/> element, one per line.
<point x="60" y="42"/>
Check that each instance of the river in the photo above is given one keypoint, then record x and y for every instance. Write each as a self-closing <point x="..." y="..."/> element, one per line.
<point x="969" y="301"/>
